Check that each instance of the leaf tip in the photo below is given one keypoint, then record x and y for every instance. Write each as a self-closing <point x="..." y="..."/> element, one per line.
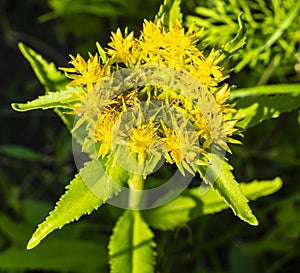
<point x="15" y="106"/>
<point x="252" y="220"/>
<point x="32" y="243"/>
<point x="22" y="48"/>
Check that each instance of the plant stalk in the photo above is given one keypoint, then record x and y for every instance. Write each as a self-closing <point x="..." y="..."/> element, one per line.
<point x="136" y="184"/>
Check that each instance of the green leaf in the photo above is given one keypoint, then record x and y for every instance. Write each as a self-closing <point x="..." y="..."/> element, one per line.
<point x="271" y="89"/>
<point x="101" y="10"/>
<point x="49" y="77"/>
<point x="12" y="230"/>
<point x="170" y="12"/>
<point x="254" y="106"/>
<point x="61" y="99"/>
<point x="104" y="178"/>
<point x="20" y="152"/>
<point x="77" y="201"/>
<point x="207" y="12"/>
<point x="239" y="40"/>
<point x="131" y="245"/>
<point x="59" y="255"/>
<point x="62" y="253"/>
<point x="180" y="210"/>
<point x="102" y="53"/>
<point x="285" y="24"/>
<point x="220" y="178"/>
<point x="257" y="189"/>
<point x="86" y="192"/>
<point x="33" y="210"/>
<point x="67" y="119"/>
<point x="47" y="73"/>
<point x="254" y="110"/>
<point x="191" y="204"/>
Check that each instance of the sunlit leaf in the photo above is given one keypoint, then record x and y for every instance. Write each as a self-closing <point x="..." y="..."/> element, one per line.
<point x="271" y="89"/>
<point x="254" y="110"/>
<point x="286" y="22"/>
<point x="77" y="201"/>
<point x="85" y="193"/>
<point x="102" y="53"/>
<point x="239" y="40"/>
<point x="221" y="179"/>
<point x="59" y="99"/>
<point x="192" y="204"/>
<point x="257" y="189"/>
<point x="131" y="245"/>
<point x="46" y="72"/>
<point x="49" y="77"/>
<point x="104" y="178"/>
<point x="170" y="12"/>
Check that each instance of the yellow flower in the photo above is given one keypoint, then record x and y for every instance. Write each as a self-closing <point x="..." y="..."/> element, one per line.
<point x="205" y="69"/>
<point x="85" y="72"/>
<point x="103" y="132"/>
<point x="141" y="140"/>
<point x="181" y="147"/>
<point x="170" y="47"/>
<point x="120" y="49"/>
<point x="172" y="144"/>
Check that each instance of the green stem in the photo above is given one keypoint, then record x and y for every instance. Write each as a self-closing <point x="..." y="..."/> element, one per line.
<point x="267" y="73"/>
<point x="136" y="184"/>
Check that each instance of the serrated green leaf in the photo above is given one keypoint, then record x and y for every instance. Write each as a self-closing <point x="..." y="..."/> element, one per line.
<point x="253" y="110"/>
<point x="221" y="179"/>
<point x="86" y="192"/>
<point x="212" y="202"/>
<point x="191" y="204"/>
<point x="104" y="178"/>
<point x="131" y="245"/>
<point x="170" y="12"/>
<point x="77" y="201"/>
<point x="48" y="75"/>
<point x="61" y="99"/>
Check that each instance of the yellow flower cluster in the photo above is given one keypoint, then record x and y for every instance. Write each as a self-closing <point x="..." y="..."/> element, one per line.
<point x="157" y="45"/>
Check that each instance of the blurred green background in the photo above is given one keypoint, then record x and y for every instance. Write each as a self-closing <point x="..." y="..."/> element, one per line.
<point x="36" y="152"/>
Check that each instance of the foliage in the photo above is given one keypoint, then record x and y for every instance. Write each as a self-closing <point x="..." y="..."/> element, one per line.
<point x="98" y="17"/>
<point x="138" y="251"/>
<point x="271" y="29"/>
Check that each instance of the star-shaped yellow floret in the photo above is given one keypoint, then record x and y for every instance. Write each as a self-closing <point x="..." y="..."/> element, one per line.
<point x="84" y="72"/>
